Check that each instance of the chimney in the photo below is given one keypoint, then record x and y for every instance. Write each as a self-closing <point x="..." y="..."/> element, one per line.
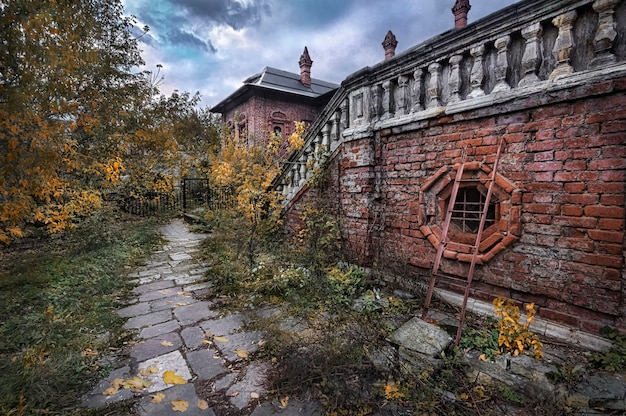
<point x="460" y="9"/>
<point x="389" y="44"/>
<point x="305" y="68"/>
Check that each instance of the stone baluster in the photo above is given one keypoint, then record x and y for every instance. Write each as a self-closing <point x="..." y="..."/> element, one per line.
<point x="302" y="170"/>
<point x="416" y="92"/>
<point x="564" y="43"/>
<point x="477" y="75"/>
<point x="387" y="100"/>
<point x="293" y="178"/>
<point x="532" y="53"/>
<point x="335" y="120"/>
<point x="402" y="98"/>
<point x="345" y="119"/>
<point x="434" y="87"/>
<point x="326" y="136"/>
<point x="375" y="102"/>
<point x="606" y="33"/>
<point x="502" y="64"/>
<point x="455" y="78"/>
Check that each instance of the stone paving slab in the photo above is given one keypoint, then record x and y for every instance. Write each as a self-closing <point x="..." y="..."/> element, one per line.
<point x="150" y="287"/>
<point x="148" y="319"/>
<point x="193" y="337"/>
<point x="224" y="326"/>
<point x="158" y="294"/>
<point x="153" y="347"/>
<point x="171" y="302"/>
<point x="204" y="364"/>
<point x="241" y="393"/>
<point x="159" y="329"/>
<point x="153" y="369"/>
<point x="247" y="341"/>
<point x="96" y="399"/>
<point x="184" y="392"/>
<point x="134" y="310"/>
<point x="190" y="314"/>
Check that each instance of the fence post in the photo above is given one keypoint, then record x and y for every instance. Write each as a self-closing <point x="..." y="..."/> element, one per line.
<point x="184" y="187"/>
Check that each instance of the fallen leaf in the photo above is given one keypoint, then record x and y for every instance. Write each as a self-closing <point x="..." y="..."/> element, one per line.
<point x="234" y="394"/>
<point x="208" y="334"/>
<point x="180" y="304"/>
<point x="166" y="343"/>
<point x="241" y="353"/>
<point x="136" y="383"/>
<point x="221" y="339"/>
<point x="207" y="342"/>
<point x="254" y="395"/>
<point x="203" y="405"/>
<point x="179" y="405"/>
<point x="115" y="386"/>
<point x="149" y="370"/>
<point x="157" y="398"/>
<point x="284" y="402"/>
<point x="89" y="352"/>
<point x="164" y="291"/>
<point x="169" y="377"/>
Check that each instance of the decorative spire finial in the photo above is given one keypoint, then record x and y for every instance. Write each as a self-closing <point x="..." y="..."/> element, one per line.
<point x="305" y="68"/>
<point x="389" y="44"/>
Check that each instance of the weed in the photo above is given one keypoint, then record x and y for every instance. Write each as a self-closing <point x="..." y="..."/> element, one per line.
<point x="615" y="358"/>
<point x="513" y="336"/>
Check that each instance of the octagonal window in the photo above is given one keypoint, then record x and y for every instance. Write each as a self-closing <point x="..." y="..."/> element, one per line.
<point x="502" y="223"/>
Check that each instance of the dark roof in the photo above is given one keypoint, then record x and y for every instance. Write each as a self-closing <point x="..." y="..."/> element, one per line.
<point x="273" y="79"/>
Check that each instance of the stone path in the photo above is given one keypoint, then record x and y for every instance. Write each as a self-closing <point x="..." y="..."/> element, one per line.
<point x="208" y="350"/>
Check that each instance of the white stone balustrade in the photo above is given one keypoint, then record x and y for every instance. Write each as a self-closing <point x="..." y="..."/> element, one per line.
<point x="477" y="73"/>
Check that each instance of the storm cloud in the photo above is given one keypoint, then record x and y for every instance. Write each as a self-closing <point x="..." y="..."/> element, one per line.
<point x="211" y="46"/>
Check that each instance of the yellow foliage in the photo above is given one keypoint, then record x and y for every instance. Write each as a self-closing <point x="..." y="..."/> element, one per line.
<point x="513" y="336"/>
<point x="169" y="377"/>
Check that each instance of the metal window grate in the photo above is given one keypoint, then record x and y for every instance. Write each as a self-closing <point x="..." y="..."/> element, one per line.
<point x="467" y="210"/>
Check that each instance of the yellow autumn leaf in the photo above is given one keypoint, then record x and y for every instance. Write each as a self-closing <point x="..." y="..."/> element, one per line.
<point x="284" y="402"/>
<point x="207" y="342"/>
<point x="166" y="343"/>
<point x="180" y="304"/>
<point x="157" y="398"/>
<point x="179" y="405"/>
<point x="254" y="395"/>
<point x="164" y="291"/>
<point x="149" y="370"/>
<point x="221" y="339"/>
<point x="241" y="353"/>
<point x="483" y="357"/>
<point x="115" y="386"/>
<point x="136" y="383"/>
<point x="169" y="377"/>
<point x="203" y="405"/>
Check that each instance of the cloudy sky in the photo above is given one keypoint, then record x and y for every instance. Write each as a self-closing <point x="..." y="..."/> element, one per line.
<point x="211" y="46"/>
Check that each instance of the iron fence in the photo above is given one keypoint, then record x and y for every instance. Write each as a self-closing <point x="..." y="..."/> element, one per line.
<point x="192" y="194"/>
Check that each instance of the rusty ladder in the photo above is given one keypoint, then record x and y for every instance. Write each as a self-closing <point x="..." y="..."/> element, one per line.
<point x="443" y="241"/>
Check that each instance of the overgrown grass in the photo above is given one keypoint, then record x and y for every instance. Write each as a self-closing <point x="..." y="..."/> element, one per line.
<point x="57" y="302"/>
<point x="344" y="320"/>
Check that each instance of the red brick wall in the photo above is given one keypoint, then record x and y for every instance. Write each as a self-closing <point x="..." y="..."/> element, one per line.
<point x="566" y="157"/>
<point x="258" y="112"/>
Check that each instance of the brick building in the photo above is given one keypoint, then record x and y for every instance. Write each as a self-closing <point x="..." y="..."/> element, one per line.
<point x="546" y="78"/>
<point x="273" y="100"/>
